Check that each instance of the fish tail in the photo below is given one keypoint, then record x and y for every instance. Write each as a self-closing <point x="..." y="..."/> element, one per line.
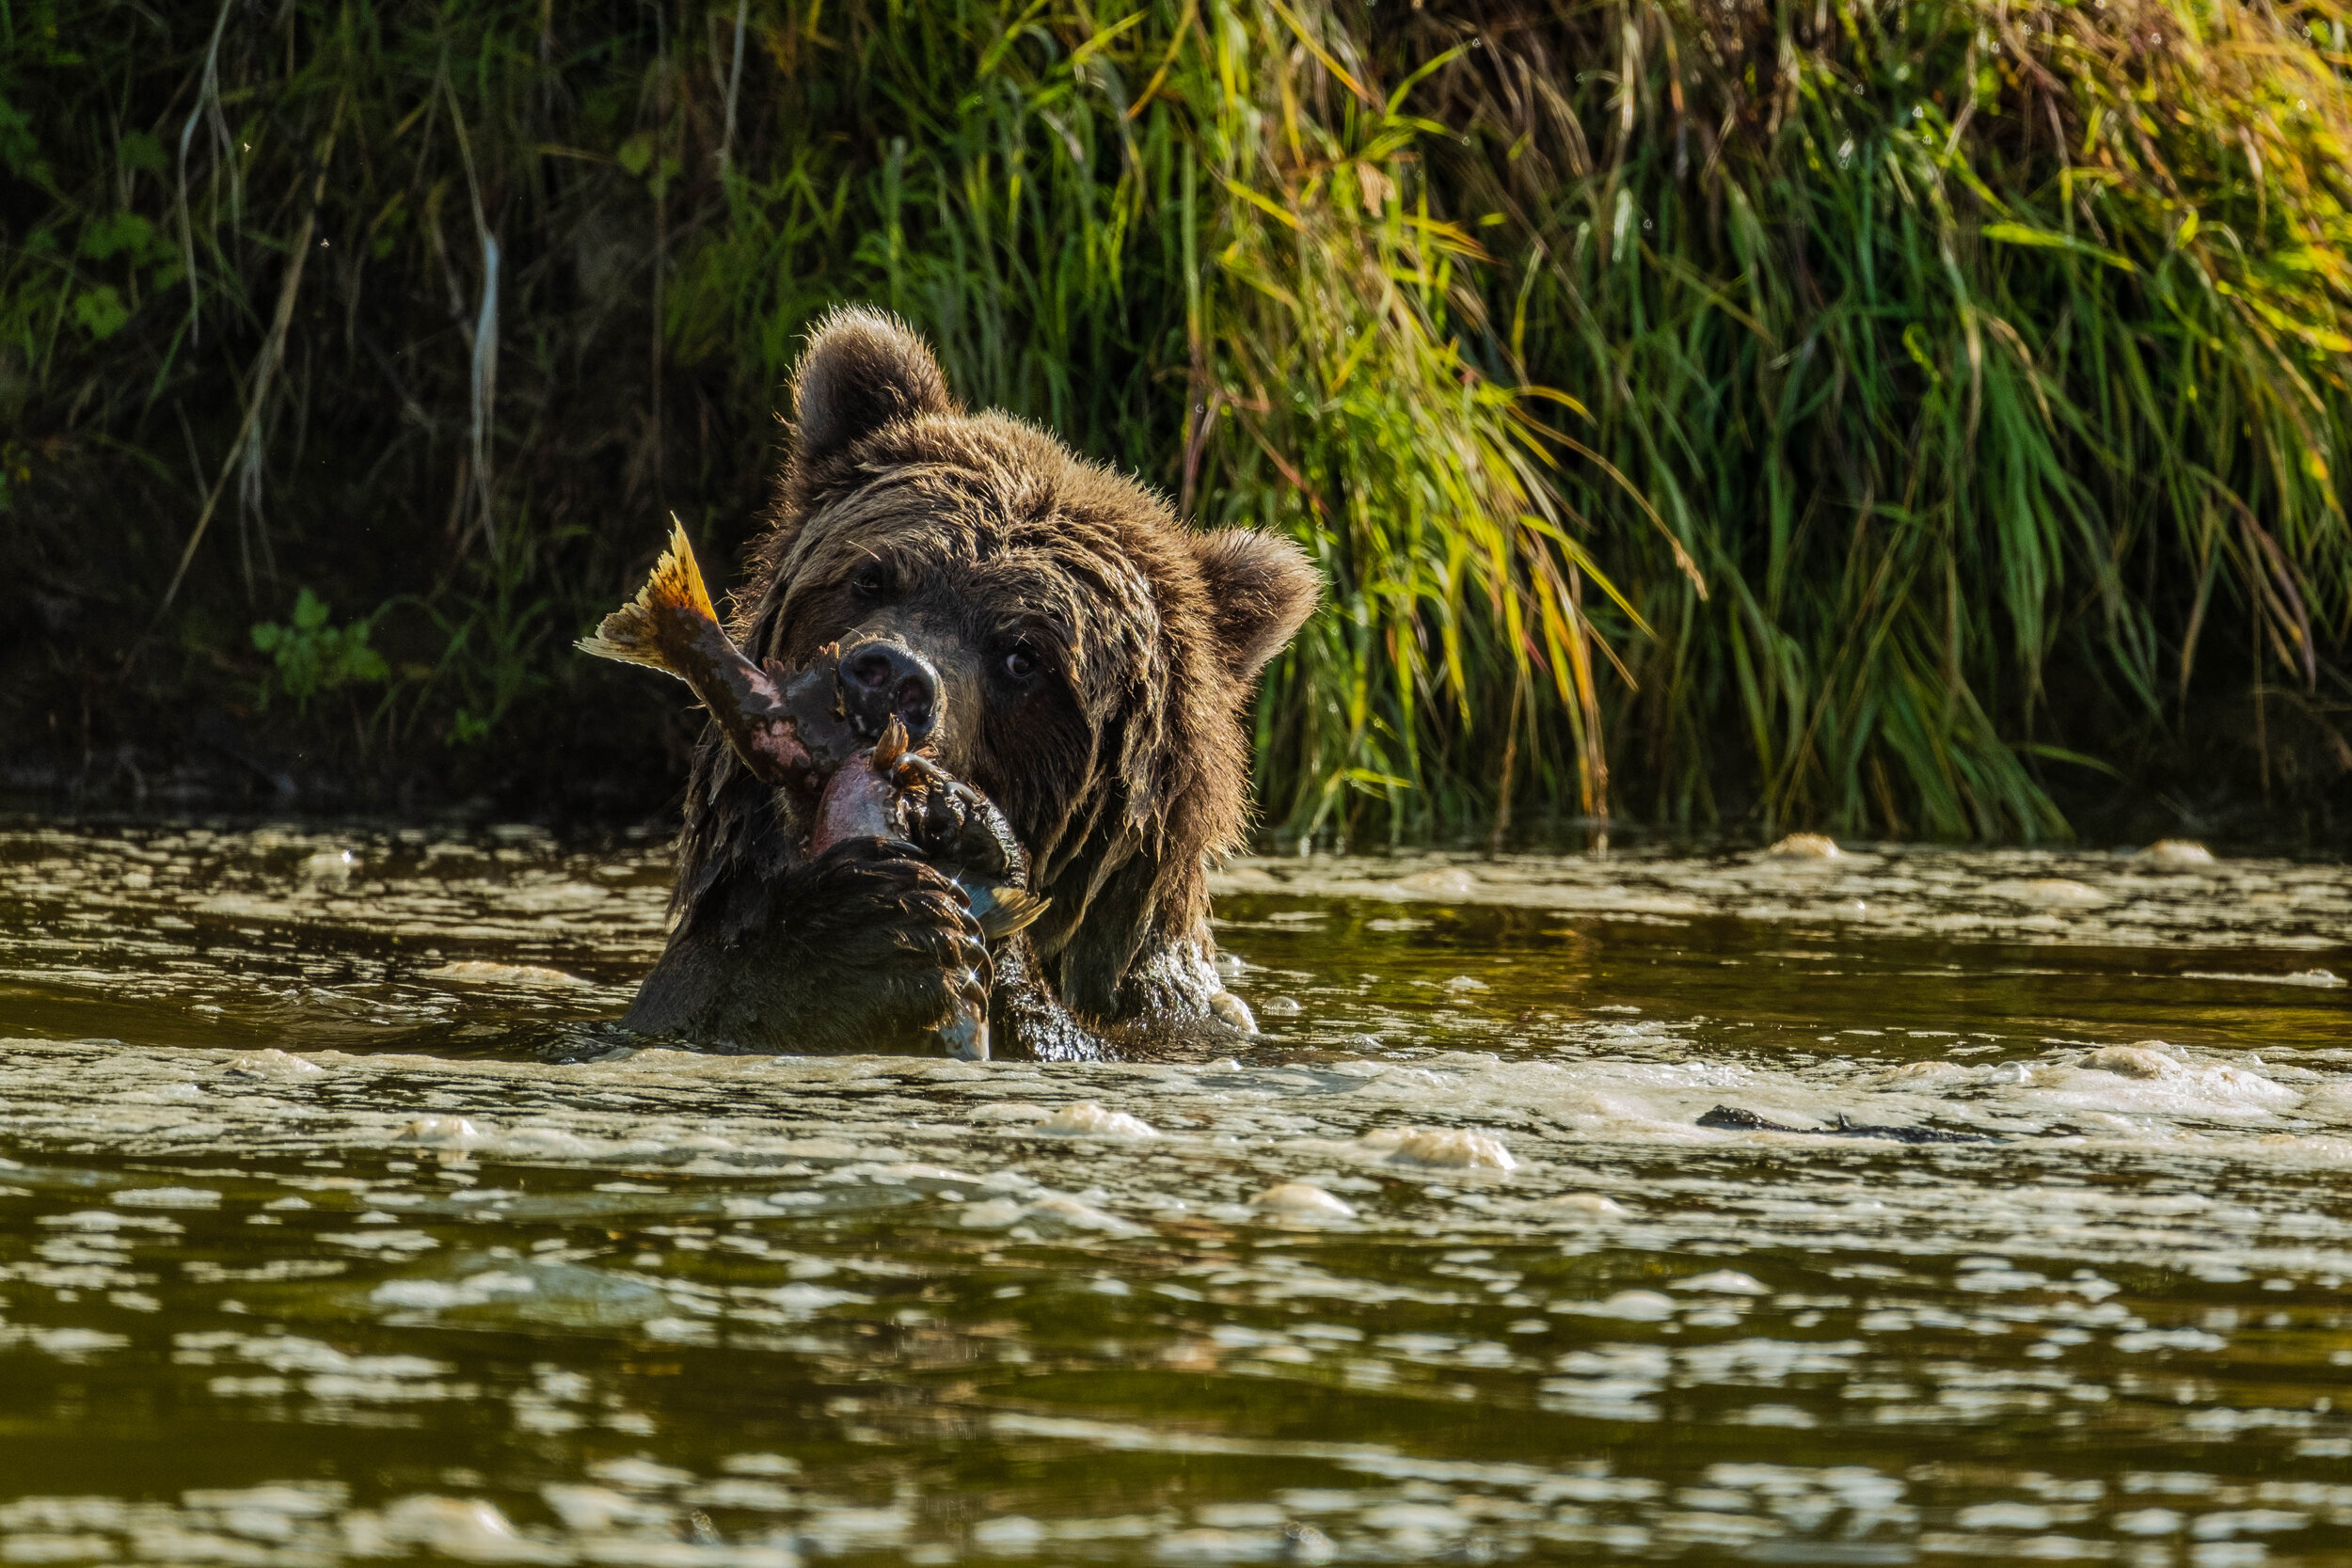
<point x="635" y="633"/>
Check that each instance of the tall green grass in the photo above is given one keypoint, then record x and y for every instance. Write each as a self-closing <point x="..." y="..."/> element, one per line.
<point x="1989" y="358"/>
<point x="1881" y="417"/>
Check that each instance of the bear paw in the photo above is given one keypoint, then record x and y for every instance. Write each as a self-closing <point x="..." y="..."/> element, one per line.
<point x="962" y="826"/>
<point x="899" y="934"/>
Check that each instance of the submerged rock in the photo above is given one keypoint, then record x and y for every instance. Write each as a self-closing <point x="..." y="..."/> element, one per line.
<point x="1441" y="1146"/>
<point x="2177" y="854"/>
<point x="2143" y="1060"/>
<point x="2061" y="892"/>
<point x="1088" y="1119"/>
<point x="477" y="971"/>
<point x="271" y="1062"/>
<point x="1730" y="1119"/>
<point x="1301" y="1200"/>
<point x="468" y="1528"/>
<point x="461" y="1133"/>
<point x="1806" y="847"/>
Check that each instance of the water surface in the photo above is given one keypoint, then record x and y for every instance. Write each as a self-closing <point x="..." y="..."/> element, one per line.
<point x="334" y="1226"/>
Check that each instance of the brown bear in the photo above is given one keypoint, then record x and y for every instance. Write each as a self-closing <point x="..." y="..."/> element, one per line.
<point x="1053" y="636"/>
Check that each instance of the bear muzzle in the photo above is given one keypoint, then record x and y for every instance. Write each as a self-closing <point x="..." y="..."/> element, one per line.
<point x="881" y="679"/>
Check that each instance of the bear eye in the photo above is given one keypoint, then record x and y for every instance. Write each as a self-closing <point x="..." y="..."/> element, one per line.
<point x="1020" y="663"/>
<point x="872" y="581"/>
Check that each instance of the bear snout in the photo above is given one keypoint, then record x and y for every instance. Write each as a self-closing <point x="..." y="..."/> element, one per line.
<point x="881" y="679"/>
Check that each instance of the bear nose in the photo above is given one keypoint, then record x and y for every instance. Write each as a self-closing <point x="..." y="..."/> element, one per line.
<point x="883" y="679"/>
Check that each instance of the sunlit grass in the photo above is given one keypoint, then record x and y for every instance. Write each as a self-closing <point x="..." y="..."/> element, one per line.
<point x="1861" y="415"/>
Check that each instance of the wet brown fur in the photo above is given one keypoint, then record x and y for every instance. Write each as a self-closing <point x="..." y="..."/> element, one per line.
<point x="1125" y="778"/>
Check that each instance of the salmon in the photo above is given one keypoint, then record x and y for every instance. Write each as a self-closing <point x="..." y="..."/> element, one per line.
<point x="791" y="729"/>
<point x="894" y="792"/>
<point x="788" y="726"/>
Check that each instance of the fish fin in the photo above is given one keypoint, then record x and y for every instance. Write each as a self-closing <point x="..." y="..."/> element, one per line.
<point x="624" y="636"/>
<point x="632" y="633"/>
<point x="1014" y="909"/>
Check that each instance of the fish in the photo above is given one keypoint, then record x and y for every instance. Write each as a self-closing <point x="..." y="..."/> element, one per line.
<point x="895" y="792"/>
<point x="793" y="729"/>
<point x="789" y="727"/>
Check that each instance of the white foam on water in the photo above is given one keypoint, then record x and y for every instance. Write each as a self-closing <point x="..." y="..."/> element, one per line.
<point x="272" y="1062"/>
<point x="483" y="972"/>
<point x="2147" y="1242"/>
<point x="1636" y="1306"/>
<point x="2078" y="897"/>
<point x="1088" y="1119"/>
<point x="1302" y="1201"/>
<point x="2317" y="979"/>
<point x="1451" y="1146"/>
<point x="168" y="1197"/>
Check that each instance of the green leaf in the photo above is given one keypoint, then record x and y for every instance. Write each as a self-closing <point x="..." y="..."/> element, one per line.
<point x="635" y="154"/>
<point x="114" y="234"/>
<point x="100" y="311"/>
<point x="2059" y="753"/>
<point x="140" y="151"/>
<point x="2018" y="233"/>
<point x="18" y="149"/>
<point x="312" y="656"/>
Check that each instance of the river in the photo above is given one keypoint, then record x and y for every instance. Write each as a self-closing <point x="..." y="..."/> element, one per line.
<point x="1908" y="1205"/>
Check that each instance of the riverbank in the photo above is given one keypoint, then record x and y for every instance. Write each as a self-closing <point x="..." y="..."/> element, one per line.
<point x="1753" y="417"/>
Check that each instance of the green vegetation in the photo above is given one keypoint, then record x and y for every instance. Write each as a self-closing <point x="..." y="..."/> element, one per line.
<point x="1892" y="417"/>
<point x="312" y="656"/>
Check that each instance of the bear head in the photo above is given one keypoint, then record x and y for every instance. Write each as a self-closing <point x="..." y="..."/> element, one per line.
<point x="1093" y="656"/>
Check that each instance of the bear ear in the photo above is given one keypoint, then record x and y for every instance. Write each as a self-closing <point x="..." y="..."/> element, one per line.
<point x="1260" y="588"/>
<point x="862" y="369"/>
